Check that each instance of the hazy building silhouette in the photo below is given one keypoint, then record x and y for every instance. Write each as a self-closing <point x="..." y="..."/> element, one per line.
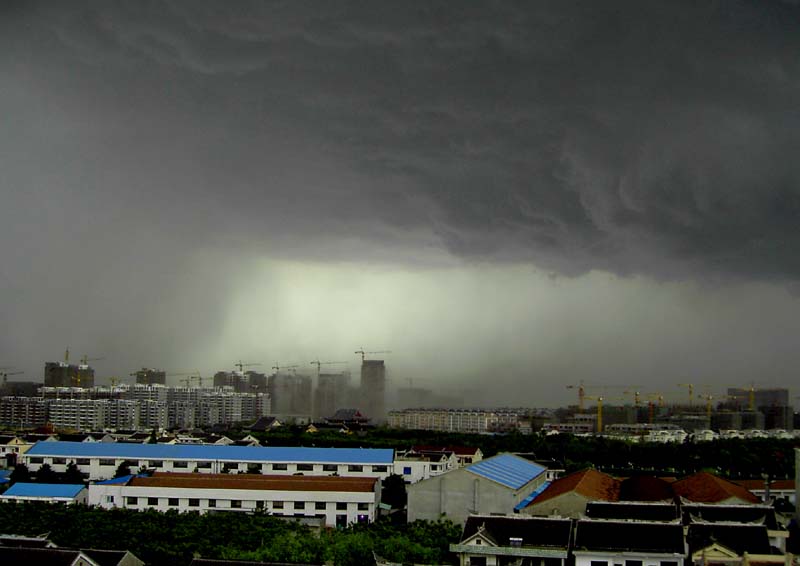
<point x="290" y="395"/>
<point x="332" y="393"/>
<point x="146" y="376"/>
<point x="373" y="389"/>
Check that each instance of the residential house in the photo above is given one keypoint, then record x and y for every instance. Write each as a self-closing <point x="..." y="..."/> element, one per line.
<point x="628" y="543"/>
<point x="489" y="540"/>
<point x="465" y="455"/>
<point x="727" y="543"/>
<point x="568" y="496"/>
<point x="703" y="487"/>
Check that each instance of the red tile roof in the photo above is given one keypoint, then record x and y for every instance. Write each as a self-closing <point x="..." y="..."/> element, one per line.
<point x="589" y="483"/>
<point x="255" y="482"/>
<point x="703" y="487"/>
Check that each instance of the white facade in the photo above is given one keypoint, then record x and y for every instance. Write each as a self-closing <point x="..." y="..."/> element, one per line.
<point x="337" y="507"/>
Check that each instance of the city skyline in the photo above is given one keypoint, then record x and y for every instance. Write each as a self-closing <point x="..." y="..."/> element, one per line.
<point x="509" y="197"/>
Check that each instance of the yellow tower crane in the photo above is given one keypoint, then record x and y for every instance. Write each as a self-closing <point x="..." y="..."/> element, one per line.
<point x="599" y="400"/>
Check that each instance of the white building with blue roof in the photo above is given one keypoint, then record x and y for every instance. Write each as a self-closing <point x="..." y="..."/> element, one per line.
<point x="100" y="460"/>
<point x="494" y="485"/>
<point x="46" y="492"/>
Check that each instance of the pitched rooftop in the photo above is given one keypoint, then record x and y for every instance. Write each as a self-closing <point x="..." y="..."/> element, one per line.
<point x="663" y="512"/>
<point x="212" y="452"/>
<point x="703" y="487"/>
<point x="536" y="532"/>
<point x="621" y="536"/>
<point x="589" y="483"/>
<point x="44" y="490"/>
<point x="507" y="469"/>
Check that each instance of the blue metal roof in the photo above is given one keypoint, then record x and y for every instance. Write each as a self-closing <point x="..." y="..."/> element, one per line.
<point x="536" y="492"/>
<point x="21" y="489"/>
<point x="506" y="469"/>
<point x="131" y="451"/>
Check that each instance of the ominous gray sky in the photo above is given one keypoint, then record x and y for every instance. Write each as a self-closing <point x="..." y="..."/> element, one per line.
<point x="509" y="196"/>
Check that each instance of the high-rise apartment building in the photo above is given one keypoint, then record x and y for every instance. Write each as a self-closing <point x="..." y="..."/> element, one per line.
<point x="373" y="389"/>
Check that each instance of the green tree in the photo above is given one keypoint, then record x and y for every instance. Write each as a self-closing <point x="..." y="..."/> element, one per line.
<point x="20" y="474"/>
<point x="124" y="469"/>
<point x="45" y="474"/>
<point x="393" y="491"/>
<point x="73" y="474"/>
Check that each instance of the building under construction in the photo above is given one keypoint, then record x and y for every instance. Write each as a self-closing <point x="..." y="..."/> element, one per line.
<point x="64" y="374"/>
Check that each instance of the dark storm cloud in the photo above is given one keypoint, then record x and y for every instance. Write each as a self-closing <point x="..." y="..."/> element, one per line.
<point x="654" y="138"/>
<point x="151" y="151"/>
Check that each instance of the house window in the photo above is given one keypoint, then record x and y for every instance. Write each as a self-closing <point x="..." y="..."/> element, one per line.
<point x="180" y="464"/>
<point x="380" y="469"/>
<point x="152" y="500"/>
<point x="280" y="467"/>
<point x="633" y="563"/>
<point x="132" y="500"/>
<point x="319" y="506"/>
<point x="277" y="505"/>
<point x="355" y="468"/>
<point x="406" y="470"/>
<point x="156" y="464"/>
<point x="37" y="460"/>
<point x="194" y="503"/>
<point x="59" y="460"/>
<point x="599" y="563"/>
<point x="305" y="467"/>
<point x="204" y="465"/>
<point x="236" y="504"/>
<point x="259" y="504"/>
<point x="212" y="502"/>
<point x="341" y="520"/>
<point x="329" y="467"/>
<point x="363" y="506"/>
<point x="299" y="504"/>
<point x="341" y="506"/>
<point x="669" y="563"/>
<point x="82" y="461"/>
<point x="173" y="502"/>
<point x="109" y="499"/>
<point x="107" y="462"/>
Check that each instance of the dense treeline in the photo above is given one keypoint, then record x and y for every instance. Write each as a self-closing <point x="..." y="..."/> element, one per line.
<point x="734" y="458"/>
<point x="175" y="538"/>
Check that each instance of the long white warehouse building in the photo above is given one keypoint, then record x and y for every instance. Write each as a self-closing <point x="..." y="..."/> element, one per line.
<point x="101" y="460"/>
<point x="335" y="501"/>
